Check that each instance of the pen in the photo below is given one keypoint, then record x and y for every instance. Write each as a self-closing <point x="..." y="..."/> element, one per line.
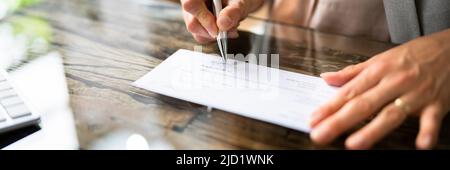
<point x="222" y="35"/>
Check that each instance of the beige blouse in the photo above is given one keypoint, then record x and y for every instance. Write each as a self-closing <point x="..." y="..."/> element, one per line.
<point x="364" y="18"/>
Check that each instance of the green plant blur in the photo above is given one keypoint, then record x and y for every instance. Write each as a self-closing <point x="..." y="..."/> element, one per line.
<point x="22" y="38"/>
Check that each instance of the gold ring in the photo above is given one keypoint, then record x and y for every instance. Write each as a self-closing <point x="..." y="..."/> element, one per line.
<point x="401" y="104"/>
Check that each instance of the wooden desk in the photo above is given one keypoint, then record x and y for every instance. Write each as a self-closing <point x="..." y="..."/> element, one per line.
<point x="107" y="44"/>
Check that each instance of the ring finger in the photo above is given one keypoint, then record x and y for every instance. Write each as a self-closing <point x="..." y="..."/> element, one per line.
<point x="389" y="118"/>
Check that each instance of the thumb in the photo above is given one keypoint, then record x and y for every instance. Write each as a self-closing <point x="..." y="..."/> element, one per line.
<point x="231" y="15"/>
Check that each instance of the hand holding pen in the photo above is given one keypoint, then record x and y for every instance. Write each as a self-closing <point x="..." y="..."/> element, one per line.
<point x="203" y="24"/>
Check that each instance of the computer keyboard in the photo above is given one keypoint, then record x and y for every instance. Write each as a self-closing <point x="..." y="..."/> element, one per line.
<point x="13" y="111"/>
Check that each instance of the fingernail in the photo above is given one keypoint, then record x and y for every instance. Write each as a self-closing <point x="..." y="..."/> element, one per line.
<point x="325" y="74"/>
<point x="355" y="142"/>
<point x="426" y="142"/>
<point x="320" y="133"/>
<point x="225" y="22"/>
<point x="212" y="34"/>
<point x="212" y="31"/>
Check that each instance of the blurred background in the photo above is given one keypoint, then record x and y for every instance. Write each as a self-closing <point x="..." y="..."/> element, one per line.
<point x="37" y="73"/>
<point x="22" y="38"/>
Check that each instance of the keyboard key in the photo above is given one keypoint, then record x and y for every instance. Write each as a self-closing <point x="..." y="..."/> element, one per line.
<point x="2" y="115"/>
<point x="7" y="93"/>
<point x="18" y="111"/>
<point x="11" y="101"/>
<point x="4" y="86"/>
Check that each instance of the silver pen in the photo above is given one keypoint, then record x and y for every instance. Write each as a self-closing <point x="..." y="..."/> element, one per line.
<point x="222" y="35"/>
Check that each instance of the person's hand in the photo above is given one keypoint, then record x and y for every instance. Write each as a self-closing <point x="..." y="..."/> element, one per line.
<point x="202" y="23"/>
<point x="411" y="79"/>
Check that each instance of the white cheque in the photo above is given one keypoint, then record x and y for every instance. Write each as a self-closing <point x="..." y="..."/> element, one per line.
<point x="255" y="91"/>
